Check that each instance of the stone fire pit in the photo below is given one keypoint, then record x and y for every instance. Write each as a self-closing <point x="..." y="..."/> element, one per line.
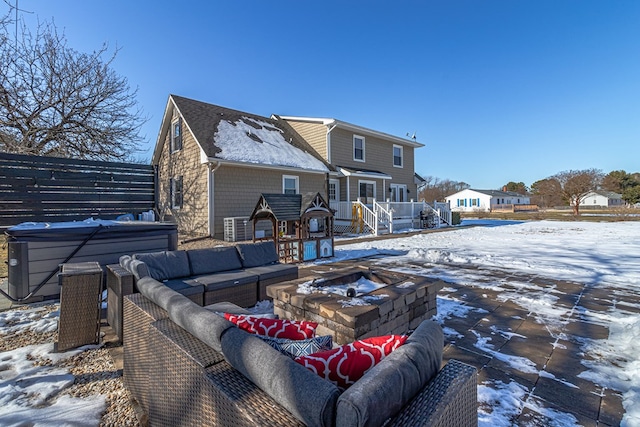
<point x="386" y="302"/>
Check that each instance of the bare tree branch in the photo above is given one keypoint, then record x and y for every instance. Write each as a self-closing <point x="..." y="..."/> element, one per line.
<point x="59" y="102"/>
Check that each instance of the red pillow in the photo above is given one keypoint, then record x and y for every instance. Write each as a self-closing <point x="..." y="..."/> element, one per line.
<point x="345" y="365"/>
<point x="275" y="328"/>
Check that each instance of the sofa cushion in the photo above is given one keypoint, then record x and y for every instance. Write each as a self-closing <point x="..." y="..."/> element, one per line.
<point x="305" y="395"/>
<point x="205" y="325"/>
<point x="255" y="254"/>
<point x="346" y="364"/>
<point x="185" y="286"/>
<point x="138" y="269"/>
<point x="276" y="328"/>
<point x="271" y="271"/>
<point x="395" y="380"/>
<point x="226" y="279"/>
<point x="212" y="260"/>
<point x="226" y="307"/>
<point x="166" y="264"/>
<point x="297" y="348"/>
<point x="157" y="292"/>
<point x="124" y="261"/>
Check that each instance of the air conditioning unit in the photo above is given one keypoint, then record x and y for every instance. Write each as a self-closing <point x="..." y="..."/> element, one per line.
<point x="237" y="229"/>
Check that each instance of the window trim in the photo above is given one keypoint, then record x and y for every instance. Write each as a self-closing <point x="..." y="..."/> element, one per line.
<point x="365" y="181"/>
<point x="173" y="183"/>
<point x="393" y="152"/>
<point x="353" y="152"/>
<point x="336" y="184"/>
<point x="296" y="178"/>
<point x="398" y="188"/>
<point x="176" y="141"/>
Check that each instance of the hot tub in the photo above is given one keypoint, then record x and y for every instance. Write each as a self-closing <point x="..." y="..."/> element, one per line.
<point x="36" y="250"/>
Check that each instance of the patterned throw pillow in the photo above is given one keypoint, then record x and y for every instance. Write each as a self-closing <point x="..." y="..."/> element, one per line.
<point x="275" y="328"/>
<point x="345" y="365"/>
<point x="296" y="348"/>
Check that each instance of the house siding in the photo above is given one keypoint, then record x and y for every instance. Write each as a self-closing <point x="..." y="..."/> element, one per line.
<point x="379" y="157"/>
<point x="238" y="189"/>
<point x="314" y="133"/>
<point x="192" y="218"/>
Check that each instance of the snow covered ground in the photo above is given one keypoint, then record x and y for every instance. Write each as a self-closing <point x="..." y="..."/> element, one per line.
<point x="600" y="255"/>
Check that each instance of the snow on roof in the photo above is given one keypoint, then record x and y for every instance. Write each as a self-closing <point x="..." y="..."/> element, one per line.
<point x="254" y="141"/>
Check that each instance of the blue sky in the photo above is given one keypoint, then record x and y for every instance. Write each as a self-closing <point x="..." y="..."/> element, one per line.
<point x="497" y="90"/>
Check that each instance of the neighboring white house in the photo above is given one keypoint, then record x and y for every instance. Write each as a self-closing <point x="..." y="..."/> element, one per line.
<point x="602" y="198"/>
<point x="470" y="200"/>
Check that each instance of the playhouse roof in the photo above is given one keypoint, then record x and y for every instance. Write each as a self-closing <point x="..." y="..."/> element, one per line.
<point x="288" y="207"/>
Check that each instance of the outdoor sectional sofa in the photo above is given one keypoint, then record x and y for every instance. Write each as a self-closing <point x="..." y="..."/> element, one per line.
<point x="238" y="274"/>
<point x="187" y="365"/>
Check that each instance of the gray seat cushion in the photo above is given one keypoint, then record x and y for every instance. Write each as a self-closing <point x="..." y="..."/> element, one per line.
<point x="394" y="381"/>
<point x="138" y="268"/>
<point x="255" y="254"/>
<point x="157" y="292"/>
<point x="271" y="271"/>
<point x="227" y="307"/>
<point x="185" y="286"/>
<point x="166" y="264"/>
<point x="303" y="393"/>
<point x="212" y="260"/>
<point x="226" y="279"/>
<point x="205" y="325"/>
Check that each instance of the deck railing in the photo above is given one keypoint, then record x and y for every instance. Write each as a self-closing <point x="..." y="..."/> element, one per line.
<point x="380" y="217"/>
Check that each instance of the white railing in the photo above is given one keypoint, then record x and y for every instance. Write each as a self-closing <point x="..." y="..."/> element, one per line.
<point x="368" y="217"/>
<point x="444" y="211"/>
<point x="382" y="215"/>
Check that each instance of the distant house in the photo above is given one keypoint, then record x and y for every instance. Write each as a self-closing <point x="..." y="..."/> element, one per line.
<point x="470" y="200"/>
<point x="603" y="199"/>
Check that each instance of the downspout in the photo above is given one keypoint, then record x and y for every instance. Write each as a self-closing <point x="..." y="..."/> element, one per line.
<point x="211" y="195"/>
<point x="329" y="129"/>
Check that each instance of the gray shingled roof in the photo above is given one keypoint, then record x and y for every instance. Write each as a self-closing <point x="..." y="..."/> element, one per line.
<point x="499" y="193"/>
<point x="203" y="119"/>
<point x="285" y="207"/>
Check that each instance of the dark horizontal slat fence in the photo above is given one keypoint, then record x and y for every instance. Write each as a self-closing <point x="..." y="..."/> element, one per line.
<point x="51" y="189"/>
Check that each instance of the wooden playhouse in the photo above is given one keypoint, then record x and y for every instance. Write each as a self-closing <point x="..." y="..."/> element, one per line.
<point x="301" y="226"/>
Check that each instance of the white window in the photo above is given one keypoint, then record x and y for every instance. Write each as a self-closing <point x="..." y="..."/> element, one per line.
<point x="176" y="135"/>
<point x="290" y="184"/>
<point x="397" y="156"/>
<point x="358" y="148"/>
<point x="176" y="192"/>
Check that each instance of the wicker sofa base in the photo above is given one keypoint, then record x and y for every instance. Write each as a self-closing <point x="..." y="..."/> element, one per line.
<point x="180" y="381"/>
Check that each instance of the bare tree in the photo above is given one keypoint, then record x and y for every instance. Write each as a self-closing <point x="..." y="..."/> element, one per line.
<point x="56" y="101"/>
<point x="576" y="184"/>
<point x="435" y="189"/>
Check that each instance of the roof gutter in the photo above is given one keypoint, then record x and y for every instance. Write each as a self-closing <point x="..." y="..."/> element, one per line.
<point x="264" y="166"/>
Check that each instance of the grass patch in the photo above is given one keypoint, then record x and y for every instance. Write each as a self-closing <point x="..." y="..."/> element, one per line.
<point x="608" y="215"/>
